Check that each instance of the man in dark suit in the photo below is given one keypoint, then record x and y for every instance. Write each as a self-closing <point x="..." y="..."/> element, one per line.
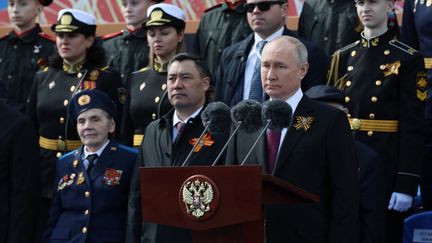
<point x="19" y="177"/>
<point x="238" y="76"/>
<point x="90" y="201"/>
<point x="168" y="141"/>
<point x="315" y="153"/>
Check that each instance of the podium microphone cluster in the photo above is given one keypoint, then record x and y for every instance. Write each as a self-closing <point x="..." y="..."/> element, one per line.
<point x="276" y="115"/>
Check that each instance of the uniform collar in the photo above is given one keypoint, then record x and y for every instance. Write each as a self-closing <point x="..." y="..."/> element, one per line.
<point x="160" y="67"/>
<point x="74" y="68"/>
<point x="98" y="152"/>
<point x="139" y="33"/>
<point x="375" y="41"/>
<point x="237" y="7"/>
<point x="28" y="36"/>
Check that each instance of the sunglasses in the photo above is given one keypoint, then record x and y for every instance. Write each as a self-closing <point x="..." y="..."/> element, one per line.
<point x="262" y="6"/>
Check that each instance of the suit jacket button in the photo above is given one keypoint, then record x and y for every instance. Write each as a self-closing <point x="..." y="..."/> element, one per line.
<point x="86" y="194"/>
<point x="86" y="212"/>
<point x="84" y="230"/>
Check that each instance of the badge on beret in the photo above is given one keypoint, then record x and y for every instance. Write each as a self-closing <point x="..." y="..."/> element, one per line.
<point x="112" y="177"/>
<point x="66" y="19"/>
<point x="421" y="86"/>
<point x="392" y="68"/>
<point x="206" y="141"/>
<point x="303" y="122"/>
<point x="84" y="100"/>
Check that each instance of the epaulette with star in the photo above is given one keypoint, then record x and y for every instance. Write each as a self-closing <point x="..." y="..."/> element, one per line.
<point x="403" y="47"/>
<point x="213" y="7"/>
<point x="142" y="70"/>
<point x="47" y="37"/>
<point x="112" y="35"/>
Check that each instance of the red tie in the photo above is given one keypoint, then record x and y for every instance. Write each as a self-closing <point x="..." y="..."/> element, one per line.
<point x="180" y="127"/>
<point x="273" y="139"/>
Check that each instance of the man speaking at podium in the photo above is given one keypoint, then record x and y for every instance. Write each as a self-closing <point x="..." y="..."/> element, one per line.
<point x="168" y="141"/>
<point x="316" y="153"/>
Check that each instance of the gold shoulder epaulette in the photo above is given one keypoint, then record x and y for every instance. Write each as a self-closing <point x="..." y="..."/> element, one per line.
<point x="349" y="46"/>
<point x="403" y="47"/>
<point x="142" y="70"/>
<point x="45" y="69"/>
<point x="105" y="68"/>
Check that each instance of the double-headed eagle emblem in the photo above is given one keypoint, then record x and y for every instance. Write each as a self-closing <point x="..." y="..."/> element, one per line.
<point x="197" y="197"/>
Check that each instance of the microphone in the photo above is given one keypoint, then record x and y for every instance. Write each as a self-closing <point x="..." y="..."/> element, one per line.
<point x="216" y="119"/>
<point x="277" y="114"/>
<point x="246" y="116"/>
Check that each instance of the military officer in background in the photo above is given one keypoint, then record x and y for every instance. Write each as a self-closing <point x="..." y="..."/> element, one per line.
<point x="221" y="26"/>
<point x="78" y="65"/>
<point x="90" y="200"/>
<point x="23" y="51"/>
<point x="384" y="83"/>
<point x="417" y="32"/>
<point x="128" y="50"/>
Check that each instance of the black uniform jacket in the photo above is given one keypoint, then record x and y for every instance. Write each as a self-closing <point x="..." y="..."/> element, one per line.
<point x="318" y="155"/>
<point x="230" y="75"/>
<point x="19" y="177"/>
<point x="220" y="27"/>
<point x="156" y="150"/>
<point x="384" y="80"/>
<point x="127" y="52"/>
<point x="47" y="108"/>
<point x="146" y="101"/>
<point x="20" y="58"/>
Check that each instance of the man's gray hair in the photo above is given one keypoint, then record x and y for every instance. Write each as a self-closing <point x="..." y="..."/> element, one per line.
<point x="300" y="51"/>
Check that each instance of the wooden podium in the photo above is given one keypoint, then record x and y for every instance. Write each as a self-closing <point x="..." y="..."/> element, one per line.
<point x="180" y="197"/>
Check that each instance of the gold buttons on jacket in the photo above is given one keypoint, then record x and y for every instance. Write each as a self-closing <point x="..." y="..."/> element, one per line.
<point x="164" y="86"/>
<point x="353" y="53"/>
<point x="157" y="99"/>
<point x="378" y="83"/>
<point x="86" y="212"/>
<point x="350" y="68"/>
<point x="154" y="116"/>
<point x="370" y="133"/>
<point x="84" y="230"/>
<point x="65" y="102"/>
<point x="372" y="116"/>
<point x="386" y="52"/>
<point x="382" y="67"/>
<point x="79" y="75"/>
<point x="347" y="99"/>
<point x="348" y="83"/>
<point x="61" y="120"/>
<point x="142" y="86"/>
<point x="374" y="99"/>
<point x="58" y="155"/>
<point x="87" y="194"/>
<point x="72" y="88"/>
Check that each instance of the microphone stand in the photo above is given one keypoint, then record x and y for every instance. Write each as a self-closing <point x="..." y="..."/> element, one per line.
<point x="239" y="123"/>
<point x="196" y="144"/>
<point x="256" y="141"/>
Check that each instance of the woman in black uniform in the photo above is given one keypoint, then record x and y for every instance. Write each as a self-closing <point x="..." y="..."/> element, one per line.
<point x="146" y="100"/>
<point x="77" y="65"/>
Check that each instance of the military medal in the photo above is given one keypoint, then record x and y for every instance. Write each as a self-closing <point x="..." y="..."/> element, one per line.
<point x="75" y="163"/>
<point x="80" y="178"/>
<point x="391" y="68"/>
<point x="112" y="177"/>
<point x="94" y="75"/>
<point x="303" y="122"/>
<point x="37" y="48"/>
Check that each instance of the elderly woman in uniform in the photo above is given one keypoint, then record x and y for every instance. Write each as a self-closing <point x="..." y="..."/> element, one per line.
<point x="77" y="65"/>
<point x="146" y="100"/>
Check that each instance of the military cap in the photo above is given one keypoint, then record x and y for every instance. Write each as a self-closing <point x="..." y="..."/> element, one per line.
<point x="163" y="14"/>
<point x="326" y="93"/>
<point x="90" y="99"/>
<point x="45" y="2"/>
<point x="72" y="20"/>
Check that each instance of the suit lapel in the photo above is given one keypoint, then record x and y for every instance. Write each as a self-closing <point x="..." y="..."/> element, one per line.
<point x="105" y="160"/>
<point x="293" y="135"/>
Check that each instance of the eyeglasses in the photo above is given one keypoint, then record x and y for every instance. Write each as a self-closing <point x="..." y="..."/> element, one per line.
<point x="262" y="6"/>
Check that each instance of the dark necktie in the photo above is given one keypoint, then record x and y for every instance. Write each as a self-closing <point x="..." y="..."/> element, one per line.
<point x="91" y="158"/>
<point x="180" y="127"/>
<point x="273" y="140"/>
<point x="256" y="91"/>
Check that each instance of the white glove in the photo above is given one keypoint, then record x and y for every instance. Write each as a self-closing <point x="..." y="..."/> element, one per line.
<point x="400" y="202"/>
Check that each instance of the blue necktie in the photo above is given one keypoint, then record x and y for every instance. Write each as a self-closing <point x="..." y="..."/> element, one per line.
<point x="256" y="91"/>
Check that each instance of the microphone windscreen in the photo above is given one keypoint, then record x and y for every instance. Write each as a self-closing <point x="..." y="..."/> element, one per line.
<point x="249" y="113"/>
<point x="218" y="115"/>
<point x="278" y="112"/>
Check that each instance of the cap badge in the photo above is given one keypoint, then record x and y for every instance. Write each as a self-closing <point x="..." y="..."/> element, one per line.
<point x="83" y="100"/>
<point x="156" y="15"/>
<point x="66" y="19"/>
